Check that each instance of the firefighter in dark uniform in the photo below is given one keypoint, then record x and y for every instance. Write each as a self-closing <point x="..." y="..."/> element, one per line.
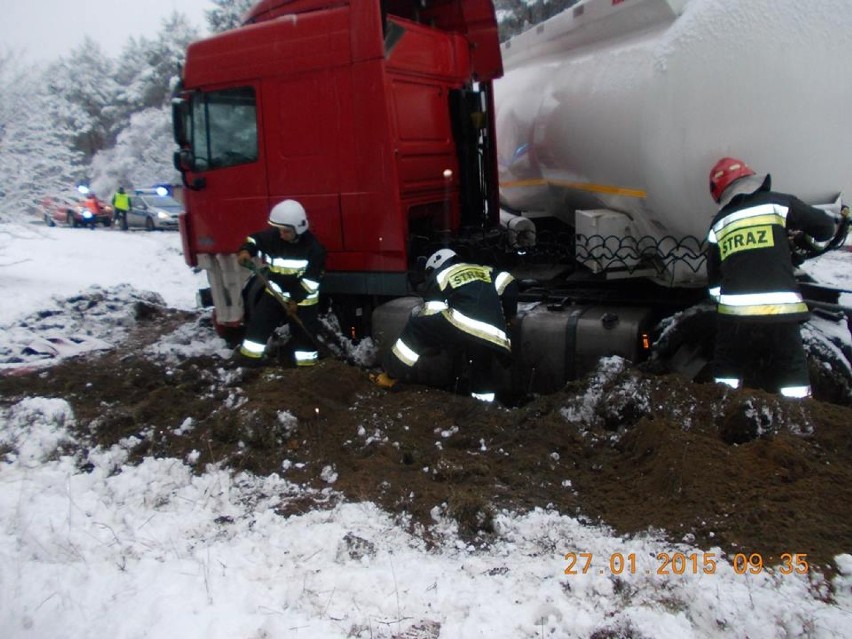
<point x="750" y="272"/>
<point x="465" y="306"/>
<point x="296" y="262"/>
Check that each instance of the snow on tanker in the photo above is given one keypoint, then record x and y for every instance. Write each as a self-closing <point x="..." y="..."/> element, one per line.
<point x="610" y="115"/>
<point x="583" y="170"/>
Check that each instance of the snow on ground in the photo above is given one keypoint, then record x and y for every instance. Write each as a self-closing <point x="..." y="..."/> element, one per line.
<point x="157" y="551"/>
<point x="38" y="263"/>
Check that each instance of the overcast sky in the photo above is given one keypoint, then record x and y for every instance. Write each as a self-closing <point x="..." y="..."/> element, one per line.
<point x="45" y="29"/>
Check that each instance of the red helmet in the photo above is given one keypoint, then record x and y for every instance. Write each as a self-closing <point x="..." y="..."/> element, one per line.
<point x="724" y="172"/>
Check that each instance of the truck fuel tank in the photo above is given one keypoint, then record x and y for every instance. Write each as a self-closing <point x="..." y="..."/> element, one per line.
<point x="554" y="346"/>
<point x="550" y="345"/>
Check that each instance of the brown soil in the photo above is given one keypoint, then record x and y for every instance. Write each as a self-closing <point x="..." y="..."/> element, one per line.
<point x="745" y="471"/>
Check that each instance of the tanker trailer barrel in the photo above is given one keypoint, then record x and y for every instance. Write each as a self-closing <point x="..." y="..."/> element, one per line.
<point x="624" y="108"/>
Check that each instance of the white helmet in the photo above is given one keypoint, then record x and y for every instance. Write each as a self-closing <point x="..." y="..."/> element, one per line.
<point x="439" y="258"/>
<point x="289" y="213"/>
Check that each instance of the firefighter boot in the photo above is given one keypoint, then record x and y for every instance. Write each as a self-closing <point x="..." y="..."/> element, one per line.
<point x="244" y="361"/>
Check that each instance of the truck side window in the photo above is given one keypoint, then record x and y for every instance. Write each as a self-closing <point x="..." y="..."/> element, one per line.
<point x="224" y="128"/>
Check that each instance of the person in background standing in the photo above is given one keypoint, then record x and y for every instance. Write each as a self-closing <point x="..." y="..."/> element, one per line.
<point x="120" y="207"/>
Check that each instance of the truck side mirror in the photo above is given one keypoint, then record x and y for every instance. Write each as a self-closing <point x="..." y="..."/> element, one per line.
<point x="184" y="160"/>
<point x="180" y="121"/>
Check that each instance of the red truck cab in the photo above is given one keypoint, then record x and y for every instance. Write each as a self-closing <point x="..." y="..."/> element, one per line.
<point x="374" y="114"/>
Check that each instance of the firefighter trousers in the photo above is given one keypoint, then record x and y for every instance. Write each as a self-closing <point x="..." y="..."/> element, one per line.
<point x="762" y="355"/>
<point x="266" y="314"/>
<point x="423" y="333"/>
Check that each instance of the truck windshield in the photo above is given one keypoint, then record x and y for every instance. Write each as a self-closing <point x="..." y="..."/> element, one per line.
<point x="224" y="128"/>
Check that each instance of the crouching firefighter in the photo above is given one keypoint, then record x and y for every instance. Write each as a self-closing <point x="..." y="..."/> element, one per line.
<point x="750" y="270"/>
<point x="466" y="306"/>
<point x="295" y="262"/>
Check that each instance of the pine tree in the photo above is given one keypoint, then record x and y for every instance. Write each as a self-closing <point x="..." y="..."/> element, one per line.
<point x="227" y="15"/>
<point x="165" y="57"/>
<point x="516" y="16"/>
<point x="36" y="155"/>
<point x="84" y="88"/>
<point x="142" y="155"/>
<point x="149" y="73"/>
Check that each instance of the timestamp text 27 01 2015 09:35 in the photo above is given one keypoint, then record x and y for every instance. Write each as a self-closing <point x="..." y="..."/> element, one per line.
<point x="678" y="563"/>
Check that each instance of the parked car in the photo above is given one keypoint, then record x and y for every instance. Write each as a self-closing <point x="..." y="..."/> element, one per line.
<point x="76" y="210"/>
<point x="152" y="211"/>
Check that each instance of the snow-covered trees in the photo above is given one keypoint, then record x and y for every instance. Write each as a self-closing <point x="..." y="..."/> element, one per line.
<point x="149" y="71"/>
<point x="516" y="16"/>
<point x="36" y="148"/>
<point x="88" y="116"/>
<point x="227" y="14"/>
<point x="85" y="91"/>
<point x="142" y="155"/>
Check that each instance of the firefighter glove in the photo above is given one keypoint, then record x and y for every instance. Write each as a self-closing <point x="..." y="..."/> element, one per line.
<point x="383" y="380"/>
<point x="244" y="258"/>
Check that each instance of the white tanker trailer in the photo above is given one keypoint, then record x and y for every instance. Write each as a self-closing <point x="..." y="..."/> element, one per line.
<point x="608" y="120"/>
<point x="610" y="115"/>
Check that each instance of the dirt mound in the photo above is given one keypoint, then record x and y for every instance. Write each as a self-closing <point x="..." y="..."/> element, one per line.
<point x="745" y="471"/>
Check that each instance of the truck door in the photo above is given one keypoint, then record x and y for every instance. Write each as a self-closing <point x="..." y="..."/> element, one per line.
<point x="223" y="167"/>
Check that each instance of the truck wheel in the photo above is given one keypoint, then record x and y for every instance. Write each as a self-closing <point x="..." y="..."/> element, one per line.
<point x="71" y="221"/>
<point x="149" y="224"/>
<point x="829" y="358"/>
<point x="49" y="220"/>
<point x="685" y="344"/>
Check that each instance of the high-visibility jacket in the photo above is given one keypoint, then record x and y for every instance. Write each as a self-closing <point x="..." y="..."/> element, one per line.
<point x="749" y="262"/>
<point x="295" y="268"/>
<point x="121" y="202"/>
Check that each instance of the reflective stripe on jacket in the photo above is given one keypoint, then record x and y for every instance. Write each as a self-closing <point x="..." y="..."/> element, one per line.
<point x="295" y="268"/>
<point x="471" y="298"/>
<point x="749" y="263"/>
